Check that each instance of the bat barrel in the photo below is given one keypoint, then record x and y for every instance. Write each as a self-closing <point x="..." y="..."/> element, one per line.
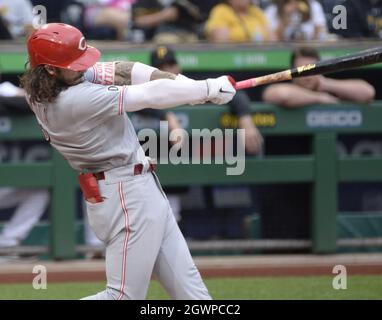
<point x="351" y="61"/>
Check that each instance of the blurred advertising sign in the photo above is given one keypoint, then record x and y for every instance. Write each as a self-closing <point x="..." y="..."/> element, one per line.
<point x="334" y="118"/>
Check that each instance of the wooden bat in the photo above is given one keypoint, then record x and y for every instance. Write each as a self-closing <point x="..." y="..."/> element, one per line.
<point x="350" y="61"/>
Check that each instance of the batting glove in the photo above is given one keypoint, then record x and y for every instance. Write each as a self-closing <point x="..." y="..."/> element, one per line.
<point x="220" y="90"/>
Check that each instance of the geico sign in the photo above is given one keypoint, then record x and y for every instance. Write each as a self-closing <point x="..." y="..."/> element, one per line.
<point x="332" y="118"/>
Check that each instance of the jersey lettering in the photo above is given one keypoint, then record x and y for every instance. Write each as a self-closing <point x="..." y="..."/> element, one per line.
<point x="104" y="73"/>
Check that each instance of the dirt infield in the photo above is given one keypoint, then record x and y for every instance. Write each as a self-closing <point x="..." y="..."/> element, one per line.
<point x="232" y="266"/>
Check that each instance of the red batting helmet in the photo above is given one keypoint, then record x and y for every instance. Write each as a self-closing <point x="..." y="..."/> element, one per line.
<point x="61" y="45"/>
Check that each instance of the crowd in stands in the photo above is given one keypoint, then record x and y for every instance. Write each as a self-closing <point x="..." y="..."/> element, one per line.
<point x="182" y="21"/>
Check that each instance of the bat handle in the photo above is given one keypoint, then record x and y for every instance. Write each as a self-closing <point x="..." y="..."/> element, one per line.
<point x="245" y="84"/>
<point x="242" y="84"/>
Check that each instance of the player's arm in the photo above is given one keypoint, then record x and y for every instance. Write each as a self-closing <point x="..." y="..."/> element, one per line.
<point x="124" y="73"/>
<point x="131" y="73"/>
<point x="97" y="103"/>
<point x="166" y="93"/>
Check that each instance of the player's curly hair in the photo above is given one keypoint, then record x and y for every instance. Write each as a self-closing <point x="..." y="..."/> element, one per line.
<point x="40" y="86"/>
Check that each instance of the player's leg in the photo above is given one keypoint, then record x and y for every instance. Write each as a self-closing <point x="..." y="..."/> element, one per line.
<point x="89" y="235"/>
<point x="128" y="268"/>
<point x="91" y="239"/>
<point x="32" y="205"/>
<point x="135" y="217"/>
<point x="175" y="267"/>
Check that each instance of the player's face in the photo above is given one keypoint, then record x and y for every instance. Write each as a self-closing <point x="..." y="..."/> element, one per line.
<point x="70" y="77"/>
<point x="309" y="83"/>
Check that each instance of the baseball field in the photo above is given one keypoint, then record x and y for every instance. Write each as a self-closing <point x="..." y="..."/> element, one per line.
<point x="270" y="277"/>
<point x="247" y="288"/>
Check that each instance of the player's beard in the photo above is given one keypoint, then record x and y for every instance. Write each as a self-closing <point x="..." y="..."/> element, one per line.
<point x="77" y="80"/>
<point x="69" y="82"/>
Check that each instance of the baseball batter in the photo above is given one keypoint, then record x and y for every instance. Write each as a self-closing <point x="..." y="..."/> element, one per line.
<point x="81" y="107"/>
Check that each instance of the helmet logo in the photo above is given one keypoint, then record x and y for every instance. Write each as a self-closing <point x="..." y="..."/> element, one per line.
<point x="82" y="44"/>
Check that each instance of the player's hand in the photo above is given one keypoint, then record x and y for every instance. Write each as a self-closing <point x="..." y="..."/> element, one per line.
<point x="220" y="90"/>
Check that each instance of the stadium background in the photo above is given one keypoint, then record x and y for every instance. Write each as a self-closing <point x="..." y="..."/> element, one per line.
<point x="222" y="212"/>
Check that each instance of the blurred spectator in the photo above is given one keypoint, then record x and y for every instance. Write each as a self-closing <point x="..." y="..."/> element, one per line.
<point x="205" y="7"/>
<point x="240" y="106"/>
<point x="327" y="6"/>
<point x="8" y="89"/>
<point x="4" y="32"/>
<point x="237" y="21"/>
<point x="30" y="203"/>
<point x="30" y="206"/>
<point x="297" y="20"/>
<point x="12" y="100"/>
<point x="364" y="19"/>
<point x="263" y="4"/>
<point x="223" y="25"/>
<point x="316" y="89"/>
<point x="54" y="9"/>
<point x="109" y="13"/>
<point x="290" y="204"/>
<point x="16" y="17"/>
<point x="175" y="22"/>
<point x="164" y="58"/>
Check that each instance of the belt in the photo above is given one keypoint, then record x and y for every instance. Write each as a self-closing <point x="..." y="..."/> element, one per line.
<point x="138" y="168"/>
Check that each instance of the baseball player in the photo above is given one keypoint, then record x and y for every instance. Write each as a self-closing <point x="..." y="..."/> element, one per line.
<point x="81" y="107"/>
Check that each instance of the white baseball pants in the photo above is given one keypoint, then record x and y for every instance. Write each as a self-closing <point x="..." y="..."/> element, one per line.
<point x="142" y="238"/>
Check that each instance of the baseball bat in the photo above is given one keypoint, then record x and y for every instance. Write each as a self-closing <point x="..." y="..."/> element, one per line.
<point x="350" y="61"/>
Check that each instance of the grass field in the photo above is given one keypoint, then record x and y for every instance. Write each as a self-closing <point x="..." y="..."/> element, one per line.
<point x="358" y="287"/>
